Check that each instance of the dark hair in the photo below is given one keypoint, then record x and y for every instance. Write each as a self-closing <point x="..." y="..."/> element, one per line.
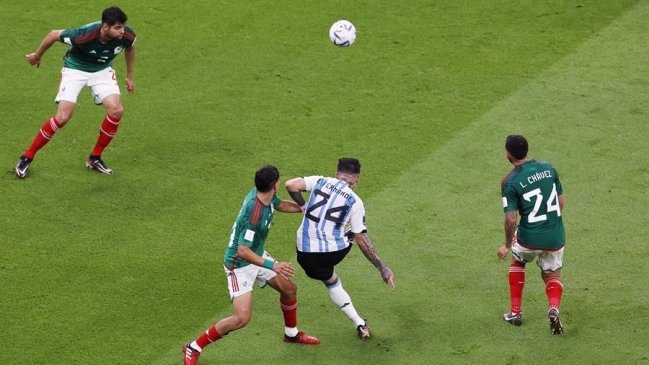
<point x="265" y="178"/>
<point x="517" y="146"/>
<point x="349" y="166"/>
<point x="113" y="15"/>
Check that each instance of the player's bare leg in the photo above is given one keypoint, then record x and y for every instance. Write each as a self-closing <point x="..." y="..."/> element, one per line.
<point x="241" y="315"/>
<point x="288" y="302"/>
<point x="554" y="289"/>
<point x="50" y="127"/>
<point x="114" y="110"/>
<point x="340" y="297"/>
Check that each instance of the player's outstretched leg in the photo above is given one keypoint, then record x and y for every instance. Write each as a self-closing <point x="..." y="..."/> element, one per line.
<point x="47" y="131"/>
<point x="340" y="297"/>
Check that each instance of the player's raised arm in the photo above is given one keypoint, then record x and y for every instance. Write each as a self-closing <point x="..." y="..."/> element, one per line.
<point x="52" y="37"/>
<point x="286" y="206"/>
<point x="365" y="245"/>
<point x="295" y="187"/>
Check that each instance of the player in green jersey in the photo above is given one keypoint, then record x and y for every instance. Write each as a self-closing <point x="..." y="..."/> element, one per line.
<point x="533" y="190"/>
<point x="87" y="63"/>
<point x="246" y="263"/>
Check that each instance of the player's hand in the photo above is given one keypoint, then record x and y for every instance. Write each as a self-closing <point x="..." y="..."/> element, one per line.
<point x="130" y="86"/>
<point x="34" y="59"/>
<point x="388" y="276"/>
<point x="503" y="251"/>
<point x="284" y="268"/>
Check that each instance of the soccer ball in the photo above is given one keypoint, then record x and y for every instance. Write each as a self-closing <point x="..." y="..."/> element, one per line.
<point x="342" y="33"/>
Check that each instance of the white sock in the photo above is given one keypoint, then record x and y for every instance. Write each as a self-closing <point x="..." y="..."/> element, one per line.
<point x="195" y="346"/>
<point x="344" y="302"/>
<point x="290" y="331"/>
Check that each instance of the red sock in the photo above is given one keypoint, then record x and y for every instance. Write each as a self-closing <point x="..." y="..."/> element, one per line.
<point x="516" y="284"/>
<point x="44" y="135"/>
<point x="106" y="134"/>
<point x="289" y="308"/>
<point x="554" y="289"/>
<point x="208" y="337"/>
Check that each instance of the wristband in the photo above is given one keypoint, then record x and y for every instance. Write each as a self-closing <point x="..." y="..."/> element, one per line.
<point x="269" y="264"/>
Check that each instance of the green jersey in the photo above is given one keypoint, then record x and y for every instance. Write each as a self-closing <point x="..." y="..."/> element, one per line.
<point x="87" y="53"/>
<point x="250" y="229"/>
<point x="533" y="189"/>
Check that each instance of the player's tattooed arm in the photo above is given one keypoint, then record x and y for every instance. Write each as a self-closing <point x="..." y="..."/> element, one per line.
<point x="365" y="245"/>
<point x="510" y="230"/>
<point x="510" y="227"/>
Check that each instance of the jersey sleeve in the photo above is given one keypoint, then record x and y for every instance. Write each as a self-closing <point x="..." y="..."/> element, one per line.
<point x="248" y="231"/>
<point x="68" y="36"/>
<point x="311" y="181"/>
<point x="357" y="219"/>
<point x="510" y="198"/>
<point x="275" y="201"/>
<point x="73" y="36"/>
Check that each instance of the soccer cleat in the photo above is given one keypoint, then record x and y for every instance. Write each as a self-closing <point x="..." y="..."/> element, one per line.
<point x="514" y="318"/>
<point x="363" y="331"/>
<point x="22" y="166"/>
<point x="96" y="163"/>
<point x="555" y="322"/>
<point x="302" y="338"/>
<point x="191" y="355"/>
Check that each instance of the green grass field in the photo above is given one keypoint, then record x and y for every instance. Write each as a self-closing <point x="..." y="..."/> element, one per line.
<point x="125" y="269"/>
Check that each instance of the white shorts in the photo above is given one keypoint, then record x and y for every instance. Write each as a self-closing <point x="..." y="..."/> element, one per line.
<point x="241" y="280"/>
<point x="548" y="260"/>
<point x="101" y="83"/>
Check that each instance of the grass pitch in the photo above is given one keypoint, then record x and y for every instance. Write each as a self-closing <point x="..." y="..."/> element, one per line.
<point x="124" y="269"/>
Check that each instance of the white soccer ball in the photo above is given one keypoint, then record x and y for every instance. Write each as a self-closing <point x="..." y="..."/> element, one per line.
<point x="342" y="33"/>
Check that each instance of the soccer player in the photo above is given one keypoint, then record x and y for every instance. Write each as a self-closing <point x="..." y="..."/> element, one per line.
<point x="247" y="263"/>
<point x="533" y="190"/>
<point x="87" y="63"/>
<point x="334" y="217"/>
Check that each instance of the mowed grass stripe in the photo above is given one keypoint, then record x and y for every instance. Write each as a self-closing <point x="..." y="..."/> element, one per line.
<point x="440" y="223"/>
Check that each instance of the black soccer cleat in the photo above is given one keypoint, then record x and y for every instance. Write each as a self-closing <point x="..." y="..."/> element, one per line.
<point x="22" y="166"/>
<point x="96" y="163"/>
<point x="555" y="322"/>
<point x="513" y="318"/>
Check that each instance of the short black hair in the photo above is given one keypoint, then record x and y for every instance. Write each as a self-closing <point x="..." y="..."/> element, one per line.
<point x="113" y="15"/>
<point x="266" y="177"/>
<point x="348" y="165"/>
<point x="517" y="146"/>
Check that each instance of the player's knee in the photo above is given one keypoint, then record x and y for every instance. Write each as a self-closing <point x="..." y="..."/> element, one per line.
<point x="290" y="289"/>
<point x="63" y="117"/>
<point x="241" y="320"/>
<point x="116" y="111"/>
<point x="547" y="275"/>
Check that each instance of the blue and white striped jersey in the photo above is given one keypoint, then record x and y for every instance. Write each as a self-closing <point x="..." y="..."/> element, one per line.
<point x="333" y="207"/>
